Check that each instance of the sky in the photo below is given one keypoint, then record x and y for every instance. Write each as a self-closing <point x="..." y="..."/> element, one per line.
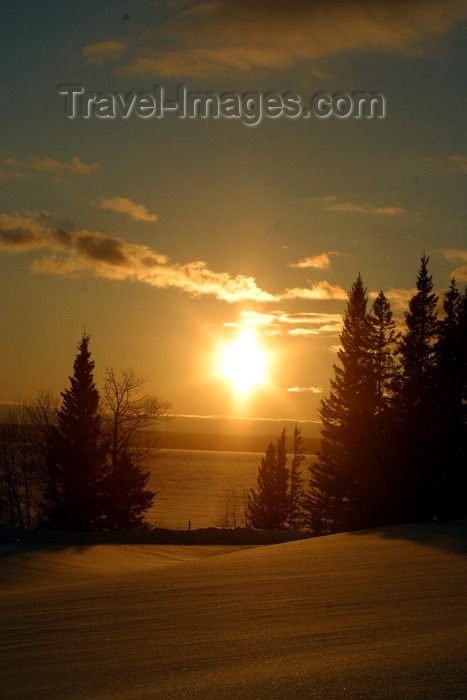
<point x="169" y="239"/>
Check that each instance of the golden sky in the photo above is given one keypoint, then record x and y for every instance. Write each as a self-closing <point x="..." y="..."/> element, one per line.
<point x="169" y="239"/>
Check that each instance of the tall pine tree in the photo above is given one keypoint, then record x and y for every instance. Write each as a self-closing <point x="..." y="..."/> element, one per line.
<point x="268" y="507"/>
<point x="416" y="403"/>
<point x="383" y="346"/>
<point x="78" y="456"/>
<point x="451" y="408"/>
<point x="296" y="493"/>
<point x="383" y="480"/>
<point x="339" y="497"/>
<point x="127" y="484"/>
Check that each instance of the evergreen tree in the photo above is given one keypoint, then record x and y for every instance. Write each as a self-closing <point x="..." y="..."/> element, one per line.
<point x="451" y="396"/>
<point x="127" y="483"/>
<point x="383" y="343"/>
<point x="416" y="404"/>
<point x="76" y="502"/>
<point x="268" y="507"/>
<point x="339" y="497"/>
<point x="296" y="493"/>
<point x="416" y="347"/>
<point x="384" y="476"/>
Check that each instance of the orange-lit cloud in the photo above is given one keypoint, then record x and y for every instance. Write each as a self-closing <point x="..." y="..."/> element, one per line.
<point x="321" y="262"/>
<point x="310" y="317"/>
<point x="75" y="253"/>
<point x="302" y="331"/>
<point x="123" y="205"/>
<point x="318" y="290"/>
<point x="460" y="273"/>
<point x="454" y="254"/>
<point x="365" y="208"/>
<point x="55" y="168"/>
<point x="217" y="37"/>
<point x="300" y="389"/>
<point x="399" y="298"/>
<point x="279" y="323"/>
<point x="450" y="164"/>
<point x="103" y="51"/>
<point x="258" y="319"/>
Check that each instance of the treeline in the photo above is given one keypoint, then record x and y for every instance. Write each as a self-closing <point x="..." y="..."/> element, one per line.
<point x="393" y="447"/>
<point x="394" y="428"/>
<point x="79" y="465"/>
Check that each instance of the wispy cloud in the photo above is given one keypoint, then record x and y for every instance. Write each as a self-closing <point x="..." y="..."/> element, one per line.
<point x="55" y="168"/>
<point x="399" y="298"/>
<point x="219" y="37"/>
<point x="302" y="332"/>
<point x="258" y="319"/>
<point x="310" y="317"/>
<point x="450" y="164"/>
<point x="311" y="389"/>
<point x="123" y="205"/>
<point x="317" y="290"/>
<point x="460" y="273"/>
<point x="279" y="323"/>
<point x="75" y="253"/>
<point x="454" y="254"/>
<point x="365" y="208"/>
<point x="321" y="262"/>
<point x="104" y="51"/>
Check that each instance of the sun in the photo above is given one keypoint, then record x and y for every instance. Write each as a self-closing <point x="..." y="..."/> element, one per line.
<point x="244" y="363"/>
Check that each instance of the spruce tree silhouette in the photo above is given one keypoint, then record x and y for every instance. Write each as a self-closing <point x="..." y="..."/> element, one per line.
<point x="340" y="496"/>
<point x="451" y="409"/>
<point x="296" y="493"/>
<point x="268" y="507"/>
<point x="77" y="451"/>
<point x="416" y="404"/>
<point x="130" y="499"/>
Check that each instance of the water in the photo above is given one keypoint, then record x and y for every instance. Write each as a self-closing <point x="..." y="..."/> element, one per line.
<point x="192" y="484"/>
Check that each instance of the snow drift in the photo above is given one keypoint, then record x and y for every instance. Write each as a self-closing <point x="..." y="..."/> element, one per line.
<point x="376" y="614"/>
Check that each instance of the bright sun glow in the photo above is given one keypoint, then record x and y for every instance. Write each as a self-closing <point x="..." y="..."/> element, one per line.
<point x="244" y="363"/>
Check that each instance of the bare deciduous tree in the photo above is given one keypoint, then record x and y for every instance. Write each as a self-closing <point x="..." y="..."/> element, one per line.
<point x="129" y="421"/>
<point x="231" y="509"/>
<point x="130" y="417"/>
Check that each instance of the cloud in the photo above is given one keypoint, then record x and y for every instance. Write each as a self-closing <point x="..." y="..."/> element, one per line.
<point x="365" y="208"/>
<point x="55" y="168"/>
<point x="454" y="254"/>
<point x="220" y="37"/>
<point x="279" y="323"/>
<point x="20" y="233"/>
<point x="399" y="298"/>
<point x="320" y="261"/>
<point x="318" y="290"/>
<point x="258" y="319"/>
<point x="122" y="205"/>
<point x="312" y="389"/>
<point x="75" y="253"/>
<point x="450" y="164"/>
<point x="460" y="273"/>
<point x="302" y="331"/>
<point x="313" y="318"/>
<point x="103" y="51"/>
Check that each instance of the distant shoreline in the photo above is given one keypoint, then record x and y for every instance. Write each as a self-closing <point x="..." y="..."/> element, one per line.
<point x="227" y="443"/>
